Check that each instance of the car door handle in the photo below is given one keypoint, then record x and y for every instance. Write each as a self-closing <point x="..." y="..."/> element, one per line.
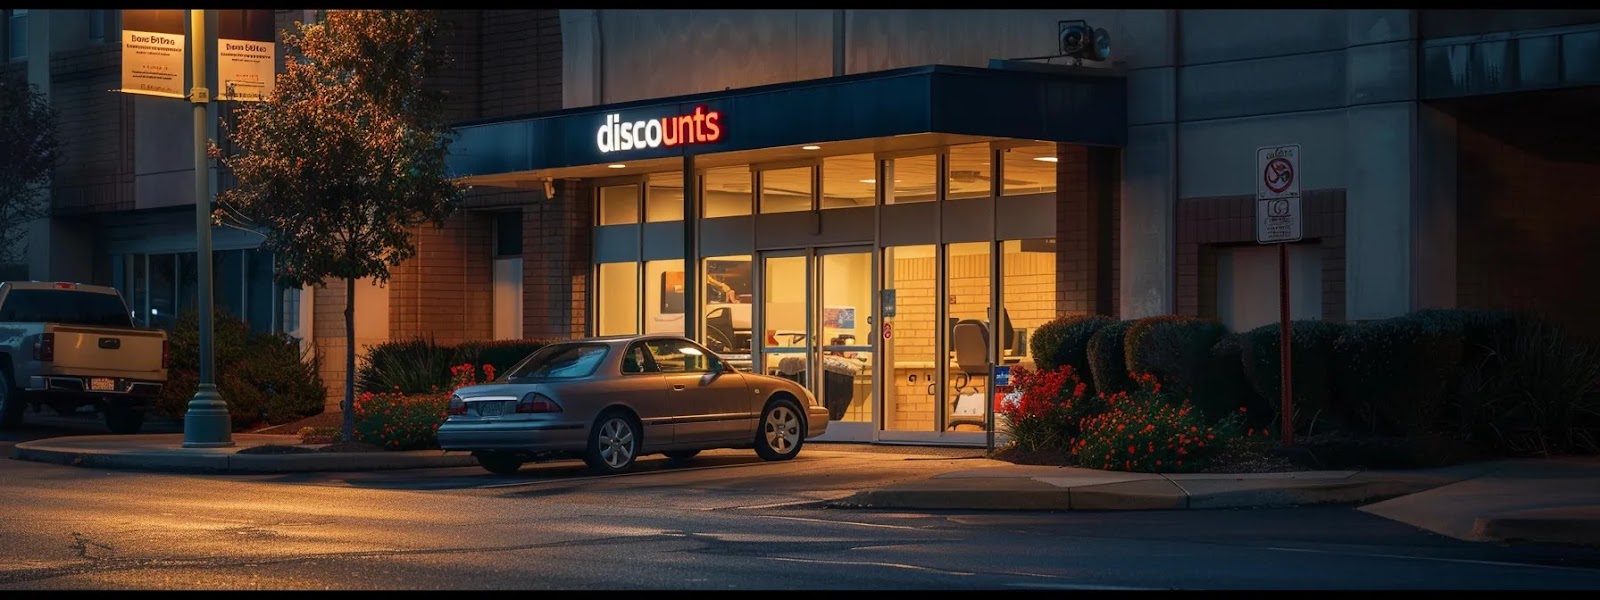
<point x="677" y="387"/>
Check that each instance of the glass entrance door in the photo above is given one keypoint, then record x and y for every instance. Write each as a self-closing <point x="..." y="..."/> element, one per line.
<point x="818" y="328"/>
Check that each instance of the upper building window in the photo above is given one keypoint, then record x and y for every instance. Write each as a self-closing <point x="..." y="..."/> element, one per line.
<point x="97" y="25"/>
<point x="17" y="34"/>
<point x="1029" y="169"/>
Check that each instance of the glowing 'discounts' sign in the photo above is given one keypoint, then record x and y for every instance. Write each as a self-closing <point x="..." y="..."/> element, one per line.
<point x="698" y="128"/>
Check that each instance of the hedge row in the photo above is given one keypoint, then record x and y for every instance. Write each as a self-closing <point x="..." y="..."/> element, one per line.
<point x="419" y="366"/>
<point x="1508" y="382"/>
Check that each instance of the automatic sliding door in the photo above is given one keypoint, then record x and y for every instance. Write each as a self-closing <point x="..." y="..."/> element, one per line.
<point x="786" y="315"/>
<point x="845" y="331"/>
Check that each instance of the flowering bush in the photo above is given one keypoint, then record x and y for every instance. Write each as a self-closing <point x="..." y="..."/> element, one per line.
<point x="1147" y="431"/>
<point x="1044" y="412"/>
<point x="398" y="421"/>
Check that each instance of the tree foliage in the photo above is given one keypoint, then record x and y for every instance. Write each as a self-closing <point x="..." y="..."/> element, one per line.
<point x="346" y="156"/>
<point x="29" y="152"/>
<point x="349" y="152"/>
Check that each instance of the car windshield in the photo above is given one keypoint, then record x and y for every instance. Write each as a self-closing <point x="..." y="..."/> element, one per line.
<point x="559" y="361"/>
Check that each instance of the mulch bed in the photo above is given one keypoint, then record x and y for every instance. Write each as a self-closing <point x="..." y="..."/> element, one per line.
<point x="327" y="419"/>
<point x="1062" y="458"/>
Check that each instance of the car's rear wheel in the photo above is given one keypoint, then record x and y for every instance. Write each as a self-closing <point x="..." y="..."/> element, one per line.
<point x="613" y="443"/>
<point x="499" y="464"/>
<point x="10" y="403"/>
<point x="782" y="431"/>
<point x="681" y="454"/>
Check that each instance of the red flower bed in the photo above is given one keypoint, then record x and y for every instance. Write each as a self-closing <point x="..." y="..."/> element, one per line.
<point x="397" y="421"/>
<point x="1146" y="431"/>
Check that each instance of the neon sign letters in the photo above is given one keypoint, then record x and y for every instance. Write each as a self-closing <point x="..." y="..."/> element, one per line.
<point x="698" y="128"/>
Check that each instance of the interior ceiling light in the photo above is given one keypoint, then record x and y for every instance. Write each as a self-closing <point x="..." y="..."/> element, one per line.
<point x="869" y="181"/>
<point x="1045" y="158"/>
<point x="618" y="166"/>
<point x="811" y="147"/>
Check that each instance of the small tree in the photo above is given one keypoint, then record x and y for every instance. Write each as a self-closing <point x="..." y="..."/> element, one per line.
<point x="346" y="156"/>
<point x="28" y="153"/>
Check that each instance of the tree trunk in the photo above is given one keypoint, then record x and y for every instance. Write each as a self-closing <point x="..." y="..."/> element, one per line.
<point x="349" y="404"/>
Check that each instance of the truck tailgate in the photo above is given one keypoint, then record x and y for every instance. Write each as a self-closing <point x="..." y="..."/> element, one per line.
<point x="107" y="351"/>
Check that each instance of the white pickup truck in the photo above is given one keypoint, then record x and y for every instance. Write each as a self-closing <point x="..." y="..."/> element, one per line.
<point x="67" y="345"/>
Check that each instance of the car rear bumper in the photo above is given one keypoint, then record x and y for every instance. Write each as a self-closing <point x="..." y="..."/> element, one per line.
<point x="75" y="386"/>
<point x="531" y="436"/>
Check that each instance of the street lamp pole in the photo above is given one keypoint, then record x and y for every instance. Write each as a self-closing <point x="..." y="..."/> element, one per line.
<point x="206" y="424"/>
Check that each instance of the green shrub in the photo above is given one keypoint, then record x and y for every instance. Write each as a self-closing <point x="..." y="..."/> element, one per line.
<point x="414" y="366"/>
<point x="1151" y="431"/>
<point x="501" y="354"/>
<point x="1228" y="388"/>
<point x="1133" y="341"/>
<point x="1179" y="352"/>
<point x="420" y="366"/>
<point x="1535" y="391"/>
<point x="1312" y="344"/>
<point x="264" y="378"/>
<point x="1106" y="359"/>
<point x="1394" y="374"/>
<point x="1065" y="341"/>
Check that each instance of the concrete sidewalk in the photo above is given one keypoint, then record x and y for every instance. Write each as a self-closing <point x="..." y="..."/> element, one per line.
<point x="1555" y="500"/>
<point x="165" y="452"/>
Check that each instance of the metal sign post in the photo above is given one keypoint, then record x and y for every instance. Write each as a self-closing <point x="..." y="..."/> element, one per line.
<point x="1279" y="221"/>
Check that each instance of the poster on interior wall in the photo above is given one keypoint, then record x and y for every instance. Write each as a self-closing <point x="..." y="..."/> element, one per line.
<point x="153" y="53"/>
<point x="246" y="55"/>
<point x="839" y="317"/>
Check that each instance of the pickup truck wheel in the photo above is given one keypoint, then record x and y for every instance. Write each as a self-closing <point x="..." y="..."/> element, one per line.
<point x="123" y="420"/>
<point x="11" y="404"/>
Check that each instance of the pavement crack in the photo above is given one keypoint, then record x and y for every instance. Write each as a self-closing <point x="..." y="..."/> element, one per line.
<point x="82" y="543"/>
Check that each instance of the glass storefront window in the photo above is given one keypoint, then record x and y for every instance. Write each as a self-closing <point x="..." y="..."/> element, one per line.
<point x="971" y="175"/>
<point x="967" y="340"/>
<point x="663" y="297"/>
<point x="163" y="293"/>
<point x="912" y="179"/>
<point x="849" y="181"/>
<point x="619" y="205"/>
<point x="1028" y="293"/>
<point x="261" y="297"/>
<point x="729" y="299"/>
<point x="786" y="190"/>
<point x="617" y="299"/>
<point x="728" y="192"/>
<point x="1029" y="169"/>
<point x="663" y="197"/>
<point x="227" y="282"/>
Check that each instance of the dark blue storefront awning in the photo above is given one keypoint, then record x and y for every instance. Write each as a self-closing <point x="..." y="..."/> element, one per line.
<point x="1023" y="104"/>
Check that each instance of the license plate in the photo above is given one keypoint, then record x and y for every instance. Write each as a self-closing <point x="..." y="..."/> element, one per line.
<point x="102" y="384"/>
<point x="490" y="409"/>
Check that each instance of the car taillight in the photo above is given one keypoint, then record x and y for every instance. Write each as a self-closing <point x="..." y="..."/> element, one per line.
<point x="536" y="402"/>
<point x="166" y="353"/>
<point x="457" y="406"/>
<point x="45" y="349"/>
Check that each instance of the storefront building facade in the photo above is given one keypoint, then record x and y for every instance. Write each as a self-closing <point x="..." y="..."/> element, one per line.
<point x="1445" y="161"/>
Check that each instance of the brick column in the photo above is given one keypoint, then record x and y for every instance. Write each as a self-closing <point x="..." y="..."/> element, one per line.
<point x="1086" y="229"/>
<point x="556" y="262"/>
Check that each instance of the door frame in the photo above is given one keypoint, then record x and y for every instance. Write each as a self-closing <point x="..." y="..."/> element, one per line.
<point x="840" y="431"/>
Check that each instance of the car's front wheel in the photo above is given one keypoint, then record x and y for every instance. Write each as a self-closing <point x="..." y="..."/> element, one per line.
<point x="499" y="464"/>
<point x="782" y="431"/>
<point x="613" y="443"/>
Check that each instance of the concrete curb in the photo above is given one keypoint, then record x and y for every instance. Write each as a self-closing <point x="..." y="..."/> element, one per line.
<point x="1555" y="526"/>
<point x="233" y="463"/>
<point x="1148" y="494"/>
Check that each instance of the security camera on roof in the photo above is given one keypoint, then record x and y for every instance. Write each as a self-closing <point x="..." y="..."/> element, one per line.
<point x="1080" y="41"/>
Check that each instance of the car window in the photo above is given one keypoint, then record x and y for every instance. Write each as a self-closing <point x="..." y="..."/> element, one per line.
<point x="679" y="356"/>
<point x="67" y="307"/>
<point x="559" y="361"/>
<point x="636" y="360"/>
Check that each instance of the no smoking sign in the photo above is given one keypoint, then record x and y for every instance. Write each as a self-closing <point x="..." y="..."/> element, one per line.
<point x="1278" y="215"/>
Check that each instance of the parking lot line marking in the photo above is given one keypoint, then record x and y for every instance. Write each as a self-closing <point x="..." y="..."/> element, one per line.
<point x="840" y="522"/>
<point x="869" y="564"/>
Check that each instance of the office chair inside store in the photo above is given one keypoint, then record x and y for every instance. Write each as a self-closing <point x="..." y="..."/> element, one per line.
<point x="970" y="339"/>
